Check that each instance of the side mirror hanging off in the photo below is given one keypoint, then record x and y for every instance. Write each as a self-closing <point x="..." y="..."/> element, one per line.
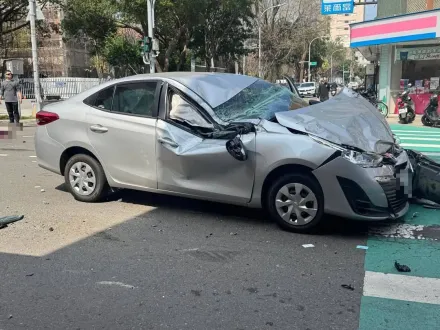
<point x="237" y="149"/>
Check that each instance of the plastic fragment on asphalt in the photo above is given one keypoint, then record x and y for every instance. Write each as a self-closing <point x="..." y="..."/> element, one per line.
<point x="42" y="190"/>
<point x="348" y="287"/>
<point x="362" y="247"/>
<point x="402" y="268"/>
<point x="308" y="246"/>
<point x="5" y="221"/>
<point x="415" y="215"/>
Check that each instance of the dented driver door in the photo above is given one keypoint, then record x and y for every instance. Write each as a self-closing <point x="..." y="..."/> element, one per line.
<point x="190" y="165"/>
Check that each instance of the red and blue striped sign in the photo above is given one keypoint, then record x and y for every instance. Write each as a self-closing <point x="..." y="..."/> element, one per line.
<point x="404" y="28"/>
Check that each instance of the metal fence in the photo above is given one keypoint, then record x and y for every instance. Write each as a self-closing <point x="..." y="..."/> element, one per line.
<point x="63" y="87"/>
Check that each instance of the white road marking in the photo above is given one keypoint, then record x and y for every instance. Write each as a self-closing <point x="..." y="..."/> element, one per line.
<point x="123" y="285"/>
<point x="34" y="161"/>
<point x="402" y="287"/>
<point x="28" y="136"/>
<point x="188" y="250"/>
<point x="419" y="139"/>
<point x="398" y="231"/>
<point x="420" y="145"/>
<point x="32" y="156"/>
<point x="431" y="153"/>
<point x="420" y="132"/>
<point x="3" y="155"/>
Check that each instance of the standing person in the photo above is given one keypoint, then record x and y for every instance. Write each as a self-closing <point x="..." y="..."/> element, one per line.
<point x="323" y="90"/>
<point x="10" y="92"/>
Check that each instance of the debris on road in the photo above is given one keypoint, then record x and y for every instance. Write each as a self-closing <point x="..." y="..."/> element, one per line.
<point x="402" y="268"/>
<point x="51" y="229"/>
<point x="233" y="234"/>
<point x="113" y="283"/>
<point x="29" y="275"/>
<point x="348" y="287"/>
<point x="5" y="221"/>
<point x="308" y="246"/>
<point x="42" y="190"/>
<point x="362" y="247"/>
<point x="415" y="215"/>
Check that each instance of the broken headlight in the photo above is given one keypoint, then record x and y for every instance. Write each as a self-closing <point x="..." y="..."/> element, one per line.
<point x="362" y="158"/>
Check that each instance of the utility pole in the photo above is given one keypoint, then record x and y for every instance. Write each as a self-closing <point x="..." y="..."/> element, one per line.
<point x="33" y="18"/>
<point x="150" y="22"/>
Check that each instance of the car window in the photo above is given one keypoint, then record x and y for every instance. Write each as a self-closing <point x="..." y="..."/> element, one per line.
<point x="308" y="85"/>
<point x="135" y="98"/>
<point x="182" y="112"/>
<point x="104" y="98"/>
<point x="259" y="100"/>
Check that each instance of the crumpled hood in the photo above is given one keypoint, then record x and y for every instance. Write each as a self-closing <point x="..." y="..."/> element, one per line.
<point x="346" y="119"/>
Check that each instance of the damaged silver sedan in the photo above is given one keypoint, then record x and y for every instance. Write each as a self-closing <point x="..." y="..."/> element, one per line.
<point x="228" y="138"/>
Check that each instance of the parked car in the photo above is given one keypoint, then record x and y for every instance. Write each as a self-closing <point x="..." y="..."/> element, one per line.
<point x="353" y="85"/>
<point x="227" y="138"/>
<point x="308" y="89"/>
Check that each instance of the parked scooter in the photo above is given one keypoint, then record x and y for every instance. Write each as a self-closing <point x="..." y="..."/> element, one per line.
<point x="407" y="113"/>
<point x="430" y="116"/>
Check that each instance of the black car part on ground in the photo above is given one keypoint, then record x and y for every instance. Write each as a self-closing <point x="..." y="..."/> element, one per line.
<point x="426" y="178"/>
<point x="230" y="131"/>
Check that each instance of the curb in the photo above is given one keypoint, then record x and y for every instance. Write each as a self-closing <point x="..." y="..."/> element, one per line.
<point x="25" y="122"/>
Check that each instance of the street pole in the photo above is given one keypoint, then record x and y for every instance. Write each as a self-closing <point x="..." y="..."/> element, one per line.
<point x="310" y="49"/>
<point x="343" y="73"/>
<point x="33" y="18"/>
<point x="259" y="36"/>
<point x="259" y="51"/>
<point x="150" y="23"/>
<point x="331" y="62"/>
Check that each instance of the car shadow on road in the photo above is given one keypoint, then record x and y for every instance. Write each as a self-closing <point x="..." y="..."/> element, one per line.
<point x="333" y="226"/>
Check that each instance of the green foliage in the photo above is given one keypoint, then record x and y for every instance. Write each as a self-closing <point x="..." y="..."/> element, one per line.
<point x="93" y="20"/>
<point x="120" y="51"/>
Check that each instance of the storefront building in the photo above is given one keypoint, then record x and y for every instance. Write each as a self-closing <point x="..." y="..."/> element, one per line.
<point x="406" y="48"/>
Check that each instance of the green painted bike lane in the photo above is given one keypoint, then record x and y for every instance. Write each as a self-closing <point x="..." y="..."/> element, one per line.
<point x="381" y="310"/>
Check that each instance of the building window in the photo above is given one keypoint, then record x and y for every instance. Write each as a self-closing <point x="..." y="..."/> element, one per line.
<point x="346" y="29"/>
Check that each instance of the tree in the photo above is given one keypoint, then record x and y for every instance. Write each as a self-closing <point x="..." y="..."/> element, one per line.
<point x="91" y="21"/>
<point x="13" y="15"/>
<point x="223" y="31"/>
<point x="122" y="52"/>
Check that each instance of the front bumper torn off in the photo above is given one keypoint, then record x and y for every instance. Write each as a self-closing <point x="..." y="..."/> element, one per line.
<point x="426" y="178"/>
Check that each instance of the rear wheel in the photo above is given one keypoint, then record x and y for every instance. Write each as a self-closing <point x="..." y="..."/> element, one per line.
<point x="85" y="178"/>
<point x="403" y="120"/>
<point x="296" y="202"/>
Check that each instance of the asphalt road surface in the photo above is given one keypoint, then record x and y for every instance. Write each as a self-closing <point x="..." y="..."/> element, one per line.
<point x="142" y="261"/>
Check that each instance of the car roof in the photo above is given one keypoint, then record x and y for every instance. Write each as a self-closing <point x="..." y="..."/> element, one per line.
<point x="214" y="88"/>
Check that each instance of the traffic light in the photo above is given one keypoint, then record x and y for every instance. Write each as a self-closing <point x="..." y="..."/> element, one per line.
<point x="145" y="45"/>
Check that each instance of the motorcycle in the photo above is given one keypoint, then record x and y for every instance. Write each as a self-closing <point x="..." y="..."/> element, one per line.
<point x="407" y="113"/>
<point x="430" y="116"/>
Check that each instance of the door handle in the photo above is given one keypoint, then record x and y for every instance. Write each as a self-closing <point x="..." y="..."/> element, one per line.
<point x="98" y="129"/>
<point x="170" y="142"/>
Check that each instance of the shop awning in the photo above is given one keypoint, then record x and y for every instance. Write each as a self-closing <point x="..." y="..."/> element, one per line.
<point x="396" y="29"/>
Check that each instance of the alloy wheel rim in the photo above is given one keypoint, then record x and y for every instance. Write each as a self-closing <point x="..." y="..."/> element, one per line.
<point x="82" y="178"/>
<point x="296" y="204"/>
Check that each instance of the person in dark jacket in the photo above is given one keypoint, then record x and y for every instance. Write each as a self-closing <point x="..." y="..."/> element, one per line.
<point x="323" y="90"/>
<point x="11" y="93"/>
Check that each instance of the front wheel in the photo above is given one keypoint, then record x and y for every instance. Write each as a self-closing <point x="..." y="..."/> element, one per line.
<point x="85" y="178"/>
<point x="296" y="202"/>
<point x="383" y="108"/>
<point x="426" y="121"/>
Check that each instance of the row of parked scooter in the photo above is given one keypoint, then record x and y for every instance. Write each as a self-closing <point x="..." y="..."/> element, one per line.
<point x="407" y="112"/>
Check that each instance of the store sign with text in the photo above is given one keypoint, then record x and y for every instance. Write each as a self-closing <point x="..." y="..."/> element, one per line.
<point x="417" y="54"/>
<point x="335" y="7"/>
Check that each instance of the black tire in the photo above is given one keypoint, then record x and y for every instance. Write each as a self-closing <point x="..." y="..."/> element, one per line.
<point x="101" y="185"/>
<point x="426" y="121"/>
<point x="403" y="120"/>
<point x="306" y="180"/>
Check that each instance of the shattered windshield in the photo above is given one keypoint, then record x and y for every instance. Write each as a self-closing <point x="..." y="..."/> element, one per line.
<point x="259" y="100"/>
